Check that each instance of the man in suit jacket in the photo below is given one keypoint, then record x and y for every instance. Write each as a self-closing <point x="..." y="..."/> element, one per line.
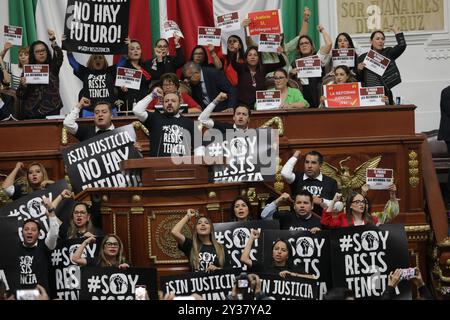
<point x="206" y="84"/>
<point x="444" y="127"/>
<point x="102" y="120"/>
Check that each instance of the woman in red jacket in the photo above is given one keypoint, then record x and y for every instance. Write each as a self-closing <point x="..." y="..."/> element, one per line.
<point x="357" y="211"/>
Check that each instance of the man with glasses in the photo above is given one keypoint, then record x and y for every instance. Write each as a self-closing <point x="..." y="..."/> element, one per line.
<point x="170" y="84"/>
<point x="322" y="187"/>
<point x="206" y="83"/>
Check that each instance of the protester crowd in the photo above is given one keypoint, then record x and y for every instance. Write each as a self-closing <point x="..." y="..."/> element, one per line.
<point x="210" y="80"/>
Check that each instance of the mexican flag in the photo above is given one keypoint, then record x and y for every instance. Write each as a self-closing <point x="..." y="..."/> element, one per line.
<point x="145" y="20"/>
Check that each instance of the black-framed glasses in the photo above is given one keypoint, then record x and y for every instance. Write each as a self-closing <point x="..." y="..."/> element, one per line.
<point x="112" y="244"/>
<point x="279" y="78"/>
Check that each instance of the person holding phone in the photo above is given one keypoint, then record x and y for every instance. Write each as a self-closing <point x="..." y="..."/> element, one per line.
<point x="400" y="274"/>
<point x="203" y="250"/>
<point x="111" y="253"/>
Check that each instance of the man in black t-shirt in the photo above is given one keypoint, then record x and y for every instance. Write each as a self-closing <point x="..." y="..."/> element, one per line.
<point x="171" y="134"/>
<point x="322" y="187"/>
<point x="33" y="258"/>
<point x="103" y="115"/>
<point x="302" y="218"/>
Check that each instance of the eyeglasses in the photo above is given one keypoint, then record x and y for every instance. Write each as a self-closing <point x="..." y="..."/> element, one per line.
<point x="279" y="78"/>
<point x="359" y="202"/>
<point x="199" y="54"/>
<point x="79" y="213"/>
<point x="302" y="43"/>
<point x="112" y="244"/>
<point x="168" y="84"/>
<point x="40" y="51"/>
<point x="162" y="46"/>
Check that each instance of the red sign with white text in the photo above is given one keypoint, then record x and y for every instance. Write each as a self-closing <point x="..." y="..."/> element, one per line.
<point x="268" y="21"/>
<point x="342" y="95"/>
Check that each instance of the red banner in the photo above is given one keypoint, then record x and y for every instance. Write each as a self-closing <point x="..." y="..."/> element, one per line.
<point x="342" y="95"/>
<point x="268" y="21"/>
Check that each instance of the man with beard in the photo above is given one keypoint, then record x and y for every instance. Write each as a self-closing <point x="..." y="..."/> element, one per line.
<point x="171" y="134"/>
<point x="322" y="187"/>
<point x="102" y="120"/>
<point x="302" y="218"/>
<point x="33" y="253"/>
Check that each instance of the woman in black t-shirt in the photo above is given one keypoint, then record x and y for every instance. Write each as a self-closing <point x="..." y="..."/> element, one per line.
<point x="81" y="223"/>
<point x="110" y="254"/>
<point x="203" y="250"/>
<point x="37" y="179"/>
<point x="281" y="258"/>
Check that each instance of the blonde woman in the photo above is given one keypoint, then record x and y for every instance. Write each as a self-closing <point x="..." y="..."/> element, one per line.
<point x="37" y="179"/>
<point x="110" y="254"/>
<point x="203" y="250"/>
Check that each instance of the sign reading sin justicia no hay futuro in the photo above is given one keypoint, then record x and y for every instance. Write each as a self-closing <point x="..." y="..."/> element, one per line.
<point x="365" y="16"/>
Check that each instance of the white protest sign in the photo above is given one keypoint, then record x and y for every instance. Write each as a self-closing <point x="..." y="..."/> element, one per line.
<point x="309" y="67"/>
<point x="13" y="34"/>
<point x="343" y="57"/>
<point x="376" y="62"/>
<point x="267" y="100"/>
<point x="379" y="179"/>
<point x="228" y="21"/>
<point x="130" y="78"/>
<point x="209" y="35"/>
<point x="269" y="42"/>
<point x="36" y="73"/>
<point x="170" y="29"/>
<point x="371" y="96"/>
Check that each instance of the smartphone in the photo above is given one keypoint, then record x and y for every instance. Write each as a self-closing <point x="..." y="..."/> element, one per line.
<point x="242" y="283"/>
<point x="140" y="293"/>
<point x="27" y="294"/>
<point x="408" y="273"/>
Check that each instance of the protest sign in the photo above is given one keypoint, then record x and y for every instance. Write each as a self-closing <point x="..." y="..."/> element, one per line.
<point x="209" y="35"/>
<point x="268" y="100"/>
<point x="36" y="73"/>
<point x="376" y="62"/>
<point x="235" y="235"/>
<point x="95" y="163"/>
<point x="130" y="78"/>
<point x="268" y="21"/>
<point x="363" y="256"/>
<point x="343" y="57"/>
<point x="291" y="288"/>
<point x="341" y="95"/>
<point x="96" y="26"/>
<point x="379" y="179"/>
<point x="371" y="96"/>
<point x="12" y="34"/>
<point x="309" y="67"/>
<point x="171" y="29"/>
<point x="269" y="42"/>
<point x="228" y="22"/>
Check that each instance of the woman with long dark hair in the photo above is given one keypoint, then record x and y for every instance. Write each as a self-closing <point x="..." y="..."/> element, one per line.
<point x="240" y="209"/>
<point x="40" y="100"/>
<point x="200" y="57"/>
<point x="391" y="76"/>
<point x="203" y="250"/>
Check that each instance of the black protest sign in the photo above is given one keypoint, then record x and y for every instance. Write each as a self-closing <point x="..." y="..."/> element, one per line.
<point x="66" y="280"/>
<point x="291" y="288"/>
<point x="114" y="284"/>
<point x="211" y="286"/>
<point x="96" y="26"/>
<point x="235" y="235"/>
<point x="363" y="257"/>
<point x="9" y="251"/>
<point x="251" y="154"/>
<point x="95" y="163"/>
<point x="309" y="253"/>
<point x="31" y="206"/>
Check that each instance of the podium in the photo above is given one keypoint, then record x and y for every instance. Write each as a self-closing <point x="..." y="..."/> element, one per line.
<point x="168" y="171"/>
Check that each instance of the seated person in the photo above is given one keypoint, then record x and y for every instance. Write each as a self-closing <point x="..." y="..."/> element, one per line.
<point x="290" y="97"/>
<point x="170" y="84"/>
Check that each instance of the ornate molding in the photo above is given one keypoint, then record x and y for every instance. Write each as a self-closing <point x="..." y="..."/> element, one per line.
<point x="137" y="210"/>
<point x="64" y="136"/>
<point x="166" y="241"/>
<point x="278" y="184"/>
<point x="413" y="165"/>
<point x="137" y="125"/>
<point x="278" y="122"/>
<point x="418" y="228"/>
<point x="444" y="243"/>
